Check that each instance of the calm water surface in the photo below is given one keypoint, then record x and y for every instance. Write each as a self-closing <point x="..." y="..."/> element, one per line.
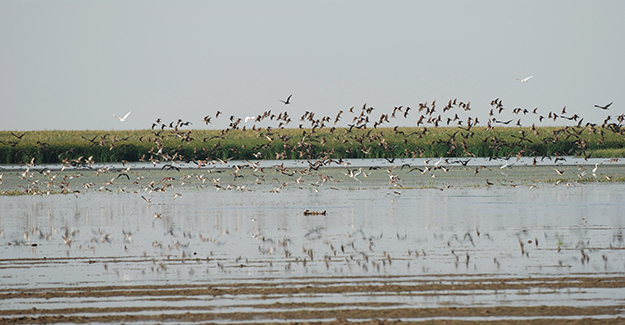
<point x="515" y="221"/>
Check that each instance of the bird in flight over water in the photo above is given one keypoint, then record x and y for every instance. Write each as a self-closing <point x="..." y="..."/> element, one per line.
<point x="604" y="107"/>
<point x="122" y="119"/>
<point x="287" y="101"/>
<point x="525" y="79"/>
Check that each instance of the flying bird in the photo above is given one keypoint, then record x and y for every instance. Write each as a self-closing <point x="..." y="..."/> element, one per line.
<point x="604" y="107"/>
<point x="19" y="136"/>
<point x="122" y="119"/>
<point x="287" y="101"/>
<point x="525" y="79"/>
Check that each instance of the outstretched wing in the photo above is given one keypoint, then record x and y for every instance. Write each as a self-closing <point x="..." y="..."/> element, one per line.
<point x="125" y="116"/>
<point x="525" y="79"/>
<point x="287" y="101"/>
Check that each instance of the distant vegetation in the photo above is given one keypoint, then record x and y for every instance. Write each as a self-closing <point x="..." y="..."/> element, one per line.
<point x="443" y="134"/>
<point x="77" y="147"/>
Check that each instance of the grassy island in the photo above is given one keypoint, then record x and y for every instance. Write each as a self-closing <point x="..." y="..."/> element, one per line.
<point x="167" y="144"/>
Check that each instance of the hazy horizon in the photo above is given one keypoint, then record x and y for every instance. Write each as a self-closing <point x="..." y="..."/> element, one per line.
<point x="71" y="65"/>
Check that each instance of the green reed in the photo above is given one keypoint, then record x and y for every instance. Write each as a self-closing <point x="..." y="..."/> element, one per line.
<point x="58" y="146"/>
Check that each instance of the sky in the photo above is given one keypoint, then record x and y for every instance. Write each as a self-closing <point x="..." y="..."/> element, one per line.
<point x="71" y="65"/>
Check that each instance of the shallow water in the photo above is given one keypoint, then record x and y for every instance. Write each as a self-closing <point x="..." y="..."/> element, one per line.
<point x="501" y="223"/>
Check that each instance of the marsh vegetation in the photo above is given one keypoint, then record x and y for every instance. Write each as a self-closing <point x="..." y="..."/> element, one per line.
<point x="74" y="147"/>
<point x="356" y="133"/>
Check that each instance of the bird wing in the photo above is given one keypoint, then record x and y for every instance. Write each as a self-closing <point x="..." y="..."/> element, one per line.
<point x="528" y="78"/>
<point x="287" y="99"/>
<point x="117" y="117"/>
<point x="125" y="116"/>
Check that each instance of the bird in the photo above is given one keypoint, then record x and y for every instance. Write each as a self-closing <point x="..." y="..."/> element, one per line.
<point x="19" y="136"/>
<point x="353" y="174"/>
<point x="287" y="101"/>
<point x="594" y="170"/>
<point x="559" y="172"/>
<point x="250" y="118"/>
<point x="526" y="79"/>
<point x="604" y="107"/>
<point x="123" y="119"/>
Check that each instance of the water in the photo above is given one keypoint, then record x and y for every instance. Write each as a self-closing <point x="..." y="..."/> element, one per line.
<point x="395" y="226"/>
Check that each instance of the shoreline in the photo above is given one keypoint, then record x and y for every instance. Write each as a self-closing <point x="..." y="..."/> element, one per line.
<point x="324" y="164"/>
<point x="264" y="309"/>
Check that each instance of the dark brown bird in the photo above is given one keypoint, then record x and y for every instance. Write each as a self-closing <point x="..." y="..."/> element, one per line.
<point x="22" y="135"/>
<point x="604" y="107"/>
<point x="287" y="101"/>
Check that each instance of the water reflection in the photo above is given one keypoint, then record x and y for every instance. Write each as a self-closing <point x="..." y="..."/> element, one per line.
<point x="445" y="228"/>
<point x="550" y="230"/>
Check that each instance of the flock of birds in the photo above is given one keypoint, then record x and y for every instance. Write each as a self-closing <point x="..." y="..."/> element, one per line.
<point x="220" y="171"/>
<point x="311" y="148"/>
<point x="372" y="135"/>
<point x="312" y="144"/>
<point x="79" y="175"/>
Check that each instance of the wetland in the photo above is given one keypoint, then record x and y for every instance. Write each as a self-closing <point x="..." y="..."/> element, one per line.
<point x="440" y="240"/>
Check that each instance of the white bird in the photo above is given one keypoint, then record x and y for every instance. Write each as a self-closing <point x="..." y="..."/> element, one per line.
<point x="525" y="79"/>
<point x="250" y="118"/>
<point x="506" y="165"/>
<point x="594" y="170"/>
<point x="122" y="119"/>
<point x="353" y="174"/>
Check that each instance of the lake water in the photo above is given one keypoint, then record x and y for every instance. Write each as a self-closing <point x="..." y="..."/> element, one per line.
<point x="404" y="225"/>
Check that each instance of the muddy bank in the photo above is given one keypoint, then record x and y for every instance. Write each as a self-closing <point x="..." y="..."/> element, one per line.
<point x="327" y="286"/>
<point x="532" y="315"/>
<point x="264" y="302"/>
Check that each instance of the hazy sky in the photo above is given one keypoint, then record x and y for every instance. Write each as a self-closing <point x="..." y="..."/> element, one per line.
<point x="72" y="64"/>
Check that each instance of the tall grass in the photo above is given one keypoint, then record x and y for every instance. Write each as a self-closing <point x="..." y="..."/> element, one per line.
<point x="134" y="145"/>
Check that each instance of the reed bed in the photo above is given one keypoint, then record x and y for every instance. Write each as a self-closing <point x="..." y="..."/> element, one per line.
<point x="58" y="146"/>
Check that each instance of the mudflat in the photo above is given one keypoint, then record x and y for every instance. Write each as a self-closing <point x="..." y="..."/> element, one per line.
<point x="192" y="303"/>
